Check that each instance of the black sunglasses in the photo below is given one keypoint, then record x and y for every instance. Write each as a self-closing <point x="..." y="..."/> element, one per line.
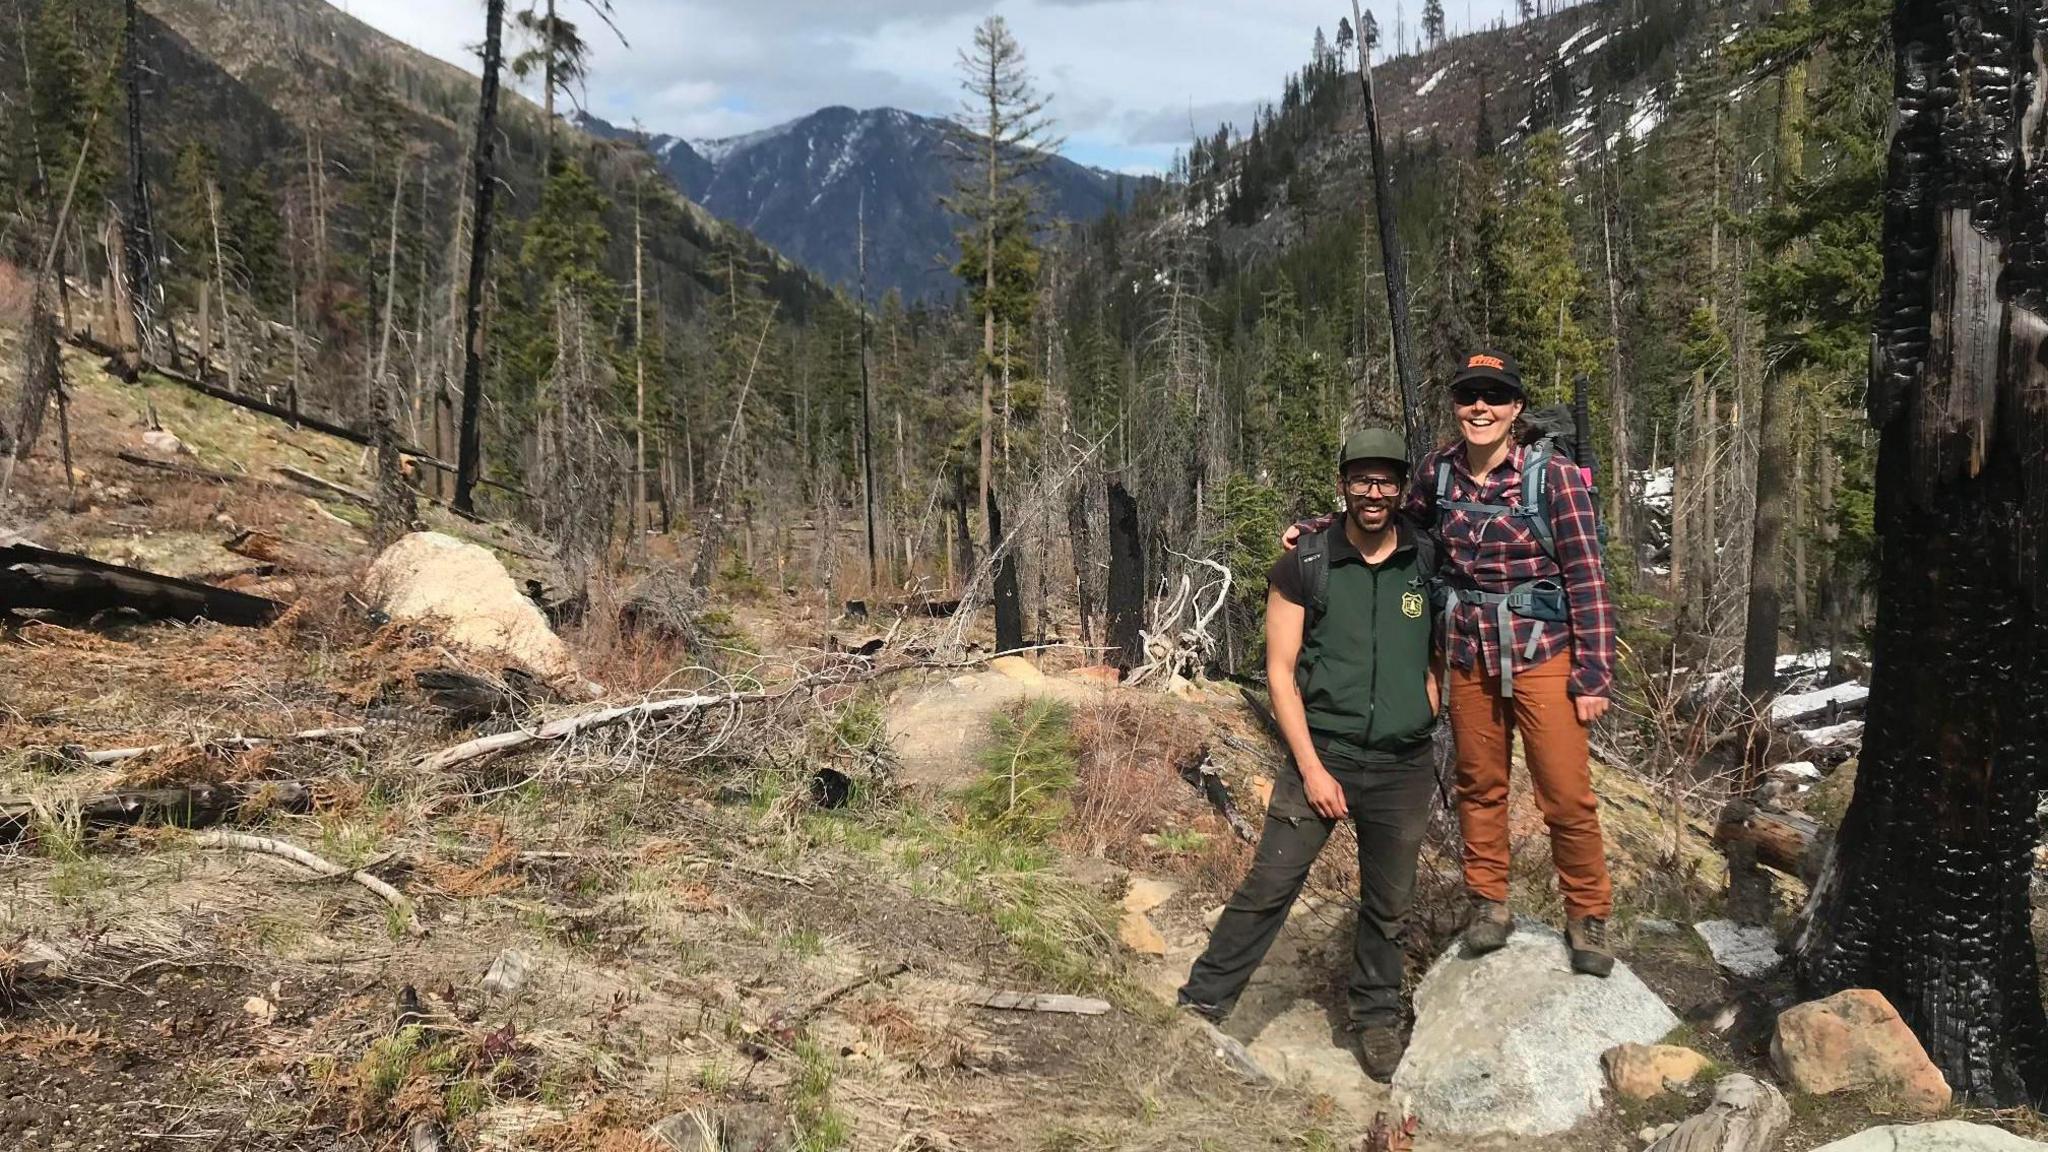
<point x="1495" y="395"/>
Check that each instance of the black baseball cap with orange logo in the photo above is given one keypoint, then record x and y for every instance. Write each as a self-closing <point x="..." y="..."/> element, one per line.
<point x="1497" y="367"/>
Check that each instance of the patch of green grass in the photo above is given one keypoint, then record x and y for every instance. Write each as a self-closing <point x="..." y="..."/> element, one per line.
<point x="1180" y="841"/>
<point x="61" y="838"/>
<point x="820" y="1126"/>
<point x="715" y="1077"/>
<point x="1028" y="768"/>
<point x="466" y="1098"/>
<point x="384" y="1067"/>
<point x="804" y="942"/>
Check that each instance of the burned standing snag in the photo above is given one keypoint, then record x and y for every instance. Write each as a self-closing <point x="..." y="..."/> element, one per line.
<point x="1926" y="896"/>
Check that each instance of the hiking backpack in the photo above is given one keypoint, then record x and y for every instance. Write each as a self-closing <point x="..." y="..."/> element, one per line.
<point x="1560" y="429"/>
<point x="1312" y="562"/>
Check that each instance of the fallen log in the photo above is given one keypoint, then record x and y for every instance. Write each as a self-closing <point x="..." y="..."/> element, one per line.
<point x="239" y="743"/>
<point x="243" y="842"/>
<point x="1042" y="1002"/>
<point x="32" y="577"/>
<point x="1746" y="1116"/>
<point x="189" y="471"/>
<point x="190" y="806"/>
<point x="322" y="484"/>
<point x="1787" y="841"/>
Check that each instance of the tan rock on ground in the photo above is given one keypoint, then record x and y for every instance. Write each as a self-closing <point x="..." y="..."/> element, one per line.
<point x="463" y="593"/>
<point x="1106" y="675"/>
<point x="1642" y="1071"/>
<point x="1145" y="894"/>
<point x="1138" y="934"/>
<point x="1855" y="1040"/>
<point x="1016" y="668"/>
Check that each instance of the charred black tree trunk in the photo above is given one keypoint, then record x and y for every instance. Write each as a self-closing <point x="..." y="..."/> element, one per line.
<point x="1009" y="606"/>
<point x="1126" y="599"/>
<point x="1926" y="895"/>
<point x="469" y="461"/>
<point x="963" y="536"/>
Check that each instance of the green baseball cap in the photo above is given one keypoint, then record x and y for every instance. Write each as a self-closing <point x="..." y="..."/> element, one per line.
<point x="1374" y="444"/>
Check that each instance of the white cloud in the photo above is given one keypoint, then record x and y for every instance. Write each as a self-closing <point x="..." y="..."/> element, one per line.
<point x="1125" y="75"/>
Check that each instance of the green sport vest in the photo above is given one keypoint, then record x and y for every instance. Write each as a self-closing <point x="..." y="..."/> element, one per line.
<point x="1365" y="645"/>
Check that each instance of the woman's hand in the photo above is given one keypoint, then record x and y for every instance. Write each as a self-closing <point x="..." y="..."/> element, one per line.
<point x="1325" y="795"/>
<point x="1296" y="530"/>
<point x="1589" y="708"/>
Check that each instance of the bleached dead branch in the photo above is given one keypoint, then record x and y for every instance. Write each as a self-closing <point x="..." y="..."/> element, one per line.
<point x="239" y="743"/>
<point x="1182" y="651"/>
<point x="243" y="842"/>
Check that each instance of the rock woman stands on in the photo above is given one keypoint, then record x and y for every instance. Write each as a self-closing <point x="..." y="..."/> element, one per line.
<point x="1529" y="635"/>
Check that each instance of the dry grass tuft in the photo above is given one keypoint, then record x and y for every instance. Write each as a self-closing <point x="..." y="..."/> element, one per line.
<point x="605" y="1126"/>
<point x="1130" y="803"/>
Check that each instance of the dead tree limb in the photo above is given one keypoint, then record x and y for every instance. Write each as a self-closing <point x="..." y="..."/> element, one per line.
<point x="574" y="724"/>
<point x="243" y="743"/>
<point x="810" y="1010"/>
<point x="243" y="842"/>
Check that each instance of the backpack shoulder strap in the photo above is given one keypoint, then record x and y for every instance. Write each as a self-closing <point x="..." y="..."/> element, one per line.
<point x="1312" y="563"/>
<point x="1536" y="493"/>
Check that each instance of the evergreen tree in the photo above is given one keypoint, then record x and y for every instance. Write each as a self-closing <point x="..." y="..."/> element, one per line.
<point x="1541" y="286"/>
<point x="1433" y="22"/>
<point x="1010" y="137"/>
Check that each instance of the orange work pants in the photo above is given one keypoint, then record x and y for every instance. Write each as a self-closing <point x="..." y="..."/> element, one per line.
<point x="1554" y="741"/>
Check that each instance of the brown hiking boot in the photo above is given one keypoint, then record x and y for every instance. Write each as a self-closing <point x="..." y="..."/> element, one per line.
<point x="1379" y="1048"/>
<point x="1587" y="939"/>
<point x="1488" y="927"/>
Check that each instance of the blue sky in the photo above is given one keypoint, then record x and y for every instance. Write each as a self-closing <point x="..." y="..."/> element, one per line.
<point x="1127" y="77"/>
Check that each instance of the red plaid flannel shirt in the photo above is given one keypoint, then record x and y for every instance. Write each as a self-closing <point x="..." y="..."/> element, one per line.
<point x="1498" y="552"/>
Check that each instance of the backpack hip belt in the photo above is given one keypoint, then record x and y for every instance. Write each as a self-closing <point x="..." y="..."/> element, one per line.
<point x="1541" y="600"/>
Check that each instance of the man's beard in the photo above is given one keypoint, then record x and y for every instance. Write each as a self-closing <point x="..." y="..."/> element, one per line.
<point x="1360" y="512"/>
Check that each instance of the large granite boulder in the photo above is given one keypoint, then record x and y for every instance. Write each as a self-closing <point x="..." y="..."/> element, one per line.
<point x="1945" y="1136"/>
<point x="1511" y="1042"/>
<point x="460" y="591"/>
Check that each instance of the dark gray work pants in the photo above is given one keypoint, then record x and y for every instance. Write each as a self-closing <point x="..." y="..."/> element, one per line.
<point x="1389" y="803"/>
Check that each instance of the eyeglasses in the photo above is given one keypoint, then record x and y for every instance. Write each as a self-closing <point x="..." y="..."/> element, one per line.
<point x="1495" y="396"/>
<point x="1370" y="486"/>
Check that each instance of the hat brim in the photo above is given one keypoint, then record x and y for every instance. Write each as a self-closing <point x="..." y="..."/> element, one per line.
<point x="1492" y="375"/>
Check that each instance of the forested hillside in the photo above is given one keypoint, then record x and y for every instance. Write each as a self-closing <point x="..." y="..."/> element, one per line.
<point x="309" y="185"/>
<point x="1672" y="198"/>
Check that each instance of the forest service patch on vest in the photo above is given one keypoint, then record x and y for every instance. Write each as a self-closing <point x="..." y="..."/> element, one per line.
<point x="1411" y="604"/>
